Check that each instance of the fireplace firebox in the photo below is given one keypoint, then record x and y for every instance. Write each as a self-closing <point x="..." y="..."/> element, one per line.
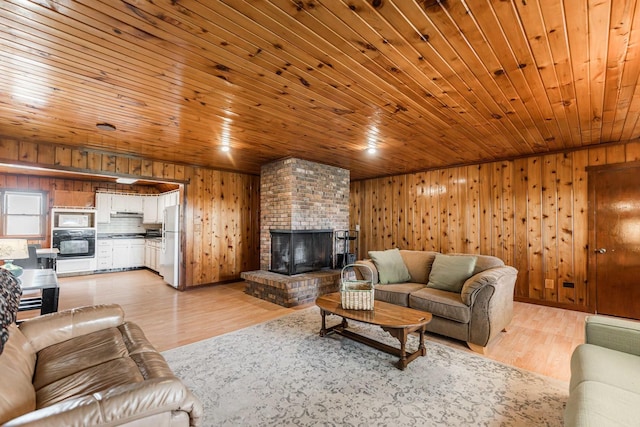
<point x="301" y="251"/>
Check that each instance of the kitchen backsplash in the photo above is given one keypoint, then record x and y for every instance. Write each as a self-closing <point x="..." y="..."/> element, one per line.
<point x="125" y="226"/>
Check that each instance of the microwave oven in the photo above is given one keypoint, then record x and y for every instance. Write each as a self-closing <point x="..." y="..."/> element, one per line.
<point x="74" y="220"/>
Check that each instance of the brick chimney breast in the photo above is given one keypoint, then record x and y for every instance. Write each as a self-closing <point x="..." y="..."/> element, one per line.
<point x="298" y="194"/>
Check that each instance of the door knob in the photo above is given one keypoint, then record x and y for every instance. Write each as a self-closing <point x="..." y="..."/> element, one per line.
<point x="601" y="251"/>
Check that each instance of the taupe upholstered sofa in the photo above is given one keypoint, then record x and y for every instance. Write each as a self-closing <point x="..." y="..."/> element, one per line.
<point x="87" y="367"/>
<point x="605" y="375"/>
<point x="480" y="311"/>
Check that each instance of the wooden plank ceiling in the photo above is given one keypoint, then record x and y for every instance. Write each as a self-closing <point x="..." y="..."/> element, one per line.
<point x="429" y="83"/>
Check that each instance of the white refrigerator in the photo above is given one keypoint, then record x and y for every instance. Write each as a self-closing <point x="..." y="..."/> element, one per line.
<point x="170" y="256"/>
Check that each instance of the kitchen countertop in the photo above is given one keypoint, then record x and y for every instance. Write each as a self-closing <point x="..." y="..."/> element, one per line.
<point x="120" y="236"/>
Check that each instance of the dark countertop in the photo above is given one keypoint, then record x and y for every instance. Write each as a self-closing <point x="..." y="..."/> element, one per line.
<point x="120" y="236"/>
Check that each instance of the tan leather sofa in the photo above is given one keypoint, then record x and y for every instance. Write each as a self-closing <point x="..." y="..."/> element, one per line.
<point x="89" y="367"/>
<point x="475" y="315"/>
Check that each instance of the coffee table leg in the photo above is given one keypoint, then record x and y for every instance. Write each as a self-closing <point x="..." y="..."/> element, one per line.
<point x="421" y="347"/>
<point x="335" y="328"/>
<point x="402" y="336"/>
<point x="323" y="330"/>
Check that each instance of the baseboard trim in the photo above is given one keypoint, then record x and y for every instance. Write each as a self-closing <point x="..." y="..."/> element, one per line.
<point x="553" y="304"/>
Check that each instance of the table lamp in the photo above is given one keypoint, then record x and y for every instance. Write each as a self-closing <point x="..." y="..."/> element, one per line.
<point x="11" y="249"/>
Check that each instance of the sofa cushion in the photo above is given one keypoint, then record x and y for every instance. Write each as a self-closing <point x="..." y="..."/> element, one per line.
<point x="397" y="294"/>
<point x="418" y="264"/>
<point x="593" y="403"/>
<point x="77" y="354"/>
<point x="485" y="262"/>
<point x="449" y="272"/>
<point x="594" y="363"/>
<point x="95" y="362"/>
<point x="440" y="303"/>
<point x="99" y="378"/>
<point x="390" y="266"/>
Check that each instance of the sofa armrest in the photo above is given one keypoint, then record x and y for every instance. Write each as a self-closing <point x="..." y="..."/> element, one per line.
<point x="44" y="331"/>
<point x="118" y="405"/>
<point x="489" y="293"/>
<point x="496" y="276"/>
<point x="613" y="333"/>
<point x="364" y="273"/>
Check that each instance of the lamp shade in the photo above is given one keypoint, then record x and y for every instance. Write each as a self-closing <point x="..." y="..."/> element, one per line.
<point x="14" y="249"/>
<point x="11" y="249"/>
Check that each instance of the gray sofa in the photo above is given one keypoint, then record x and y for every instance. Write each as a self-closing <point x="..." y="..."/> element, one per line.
<point x="480" y="311"/>
<point x="605" y="375"/>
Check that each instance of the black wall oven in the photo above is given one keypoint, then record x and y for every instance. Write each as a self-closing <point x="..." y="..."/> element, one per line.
<point x="75" y="243"/>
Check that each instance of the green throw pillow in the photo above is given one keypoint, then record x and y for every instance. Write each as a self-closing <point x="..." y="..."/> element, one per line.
<point x="449" y="272"/>
<point x="391" y="267"/>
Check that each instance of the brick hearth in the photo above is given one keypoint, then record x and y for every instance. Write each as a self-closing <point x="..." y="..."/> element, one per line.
<point x="290" y="291"/>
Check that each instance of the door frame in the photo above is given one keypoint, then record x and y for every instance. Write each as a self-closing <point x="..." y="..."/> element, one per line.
<point x="592" y="172"/>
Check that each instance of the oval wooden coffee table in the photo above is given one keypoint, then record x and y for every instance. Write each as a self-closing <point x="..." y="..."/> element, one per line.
<point x="396" y="320"/>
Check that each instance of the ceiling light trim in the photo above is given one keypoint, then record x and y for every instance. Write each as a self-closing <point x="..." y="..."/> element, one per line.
<point x="126" y="180"/>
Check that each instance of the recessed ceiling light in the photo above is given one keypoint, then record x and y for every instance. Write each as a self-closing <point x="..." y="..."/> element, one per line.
<point x="106" y="126"/>
<point x="126" y="180"/>
<point x="225" y="148"/>
<point x="371" y="150"/>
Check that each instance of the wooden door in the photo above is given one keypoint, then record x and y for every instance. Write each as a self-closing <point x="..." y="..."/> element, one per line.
<point x="615" y="240"/>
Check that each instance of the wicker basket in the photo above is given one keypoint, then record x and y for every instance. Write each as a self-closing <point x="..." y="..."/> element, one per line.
<point x="356" y="294"/>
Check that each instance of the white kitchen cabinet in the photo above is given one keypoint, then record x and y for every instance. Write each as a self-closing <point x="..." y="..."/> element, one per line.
<point x="118" y="202"/>
<point x="151" y="206"/>
<point x="161" y="204"/>
<point x="103" y="207"/>
<point x="172" y="198"/>
<point x="121" y="253"/>
<point x="136" y="253"/>
<point x="147" y="257"/>
<point x="104" y="254"/>
<point x="150" y="210"/>
<point x="152" y="254"/>
<point x="128" y="253"/>
<point x="126" y="203"/>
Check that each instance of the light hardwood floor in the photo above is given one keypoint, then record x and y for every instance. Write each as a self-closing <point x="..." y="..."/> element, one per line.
<point x="539" y="339"/>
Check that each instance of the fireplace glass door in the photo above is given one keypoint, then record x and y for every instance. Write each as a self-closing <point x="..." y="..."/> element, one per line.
<point x="301" y="251"/>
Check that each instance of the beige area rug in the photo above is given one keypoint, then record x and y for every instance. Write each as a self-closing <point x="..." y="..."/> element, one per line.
<point x="282" y="373"/>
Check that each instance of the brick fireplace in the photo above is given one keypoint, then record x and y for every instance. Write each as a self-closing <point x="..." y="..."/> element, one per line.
<point x="298" y="194"/>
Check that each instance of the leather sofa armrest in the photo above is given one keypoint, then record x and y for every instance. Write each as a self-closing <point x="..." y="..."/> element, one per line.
<point x="44" y="331"/>
<point x="365" y="272"/>
<point x="118" y="405"/>
<point x="615" y="334"/>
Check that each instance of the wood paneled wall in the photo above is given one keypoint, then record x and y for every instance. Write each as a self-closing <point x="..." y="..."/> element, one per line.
<point x="531" y="212"/>
<point x="221" y="209"/>
<point x="222" y="218"/>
